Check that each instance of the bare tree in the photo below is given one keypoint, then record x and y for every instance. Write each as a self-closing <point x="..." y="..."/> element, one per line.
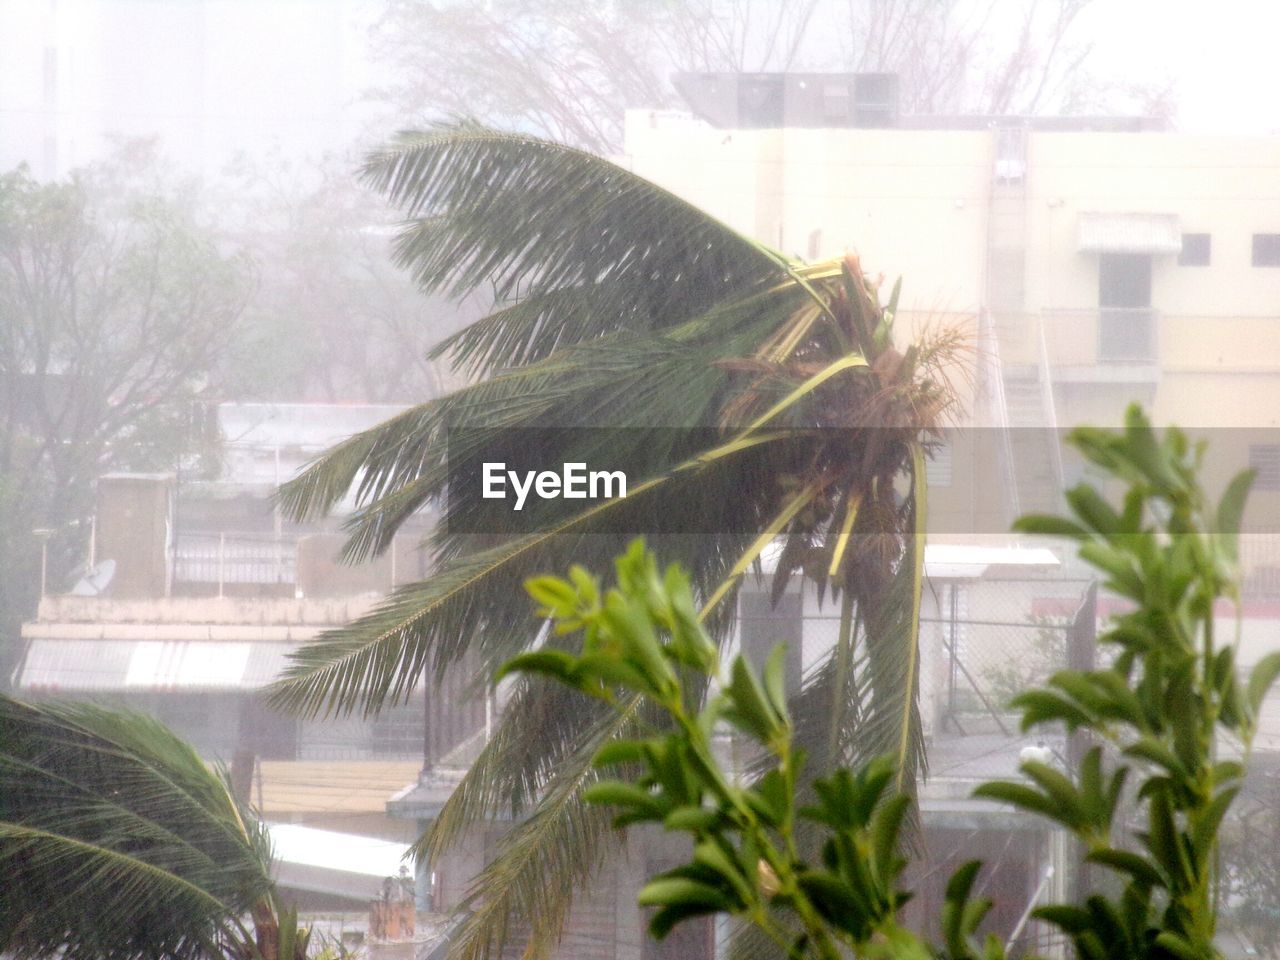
<point x="568" y="71"/>
<point x="332" y="318"/>
<point x="116" y="307"/>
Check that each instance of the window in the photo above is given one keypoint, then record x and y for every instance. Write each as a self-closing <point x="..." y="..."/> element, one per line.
<point x="1124" y="280"/>
<point x="1195" y="250"/>
<point x="1266" y="249"/>
<point x="1265" y="459"/>
<point x="1126" y="324"/>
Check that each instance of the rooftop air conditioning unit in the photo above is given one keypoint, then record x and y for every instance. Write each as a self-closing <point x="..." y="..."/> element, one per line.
<point x="772" y="100"/>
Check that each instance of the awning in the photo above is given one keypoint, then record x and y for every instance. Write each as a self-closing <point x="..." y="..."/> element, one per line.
<point x="324" y="861"/>
<point x="1129" y="233"/>
<point x="947" y="561"/>
<point x="53" y="665"/>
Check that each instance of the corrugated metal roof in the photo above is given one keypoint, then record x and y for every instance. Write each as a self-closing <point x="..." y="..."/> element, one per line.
<point x="341" y="864"/>
<point x="332" y="786"/>
<point x="1129" y="233"/>
<point x="349" y="852"/>
<point x="138" y="665"/>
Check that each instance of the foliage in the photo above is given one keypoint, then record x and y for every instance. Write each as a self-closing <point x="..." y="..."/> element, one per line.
<point x="644" y="639"/>
<point x="116" y="308"/>
<point x="1157" y="714"/>
<point x="331" y="319"/>
<point x="570" y="71"/>
<point x="757" y="398"/>
<point x="1046" y="653"/>
<point x="117" y="841"/>
<point x="1251" y="885"/>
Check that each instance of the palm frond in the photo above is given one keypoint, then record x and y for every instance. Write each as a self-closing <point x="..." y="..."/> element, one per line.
<point x="541" y="727"/>
<point x="621" y="305"/>
<point x="621" y="381"/>
<point x="526" y="891"/>
<point x="582" y="244"/>
<point x="116" y="841"/>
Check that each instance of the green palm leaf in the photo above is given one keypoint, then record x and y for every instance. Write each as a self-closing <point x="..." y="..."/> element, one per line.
<point x="526" y="891"/>
<point x="545" y="223"/>
<point x="116" y="840"/>
<point x="621" y="305"/>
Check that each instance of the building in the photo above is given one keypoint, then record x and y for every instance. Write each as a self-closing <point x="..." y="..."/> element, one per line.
<point x="196" y="591"/>
<point x="1093" y="262"/>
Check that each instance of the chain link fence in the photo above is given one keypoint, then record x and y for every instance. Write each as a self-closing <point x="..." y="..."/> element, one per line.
<point x="997" y="638"/>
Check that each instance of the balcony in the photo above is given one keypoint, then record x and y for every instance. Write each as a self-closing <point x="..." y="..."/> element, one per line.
<point x="1104" y="345"/>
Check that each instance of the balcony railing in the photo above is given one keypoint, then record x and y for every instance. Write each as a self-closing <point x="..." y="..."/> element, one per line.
<point x="1100" y="339"/>
<point x="1127" y="335"/>
<point x="235" y="558"/>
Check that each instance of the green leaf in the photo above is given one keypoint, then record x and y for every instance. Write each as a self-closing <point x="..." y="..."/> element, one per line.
<point x="835" y="900"/>
<point x="1261" y="678"/>
<point x="1205" y="833"/>
<point x="552" y="663"/>
<point x="1025" y="798"/>
<point x="775" y="681"/>
<point x="1231" y="512"/>
<point x="750" y="709"/>
<point x="618" y="752"/>
<point x="1137" y="867"/>
<point x="617" y="793"/>
<point x="680" y="891"/>
<point x="690" y="819"/>
<point x="1089" y="505"/>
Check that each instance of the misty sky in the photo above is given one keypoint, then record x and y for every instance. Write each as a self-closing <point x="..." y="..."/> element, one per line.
<point x="290" y="77"/>
<point x="1220" y="57"/>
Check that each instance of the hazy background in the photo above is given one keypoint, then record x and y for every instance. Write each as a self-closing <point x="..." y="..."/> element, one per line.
<point x="184" y="225"/>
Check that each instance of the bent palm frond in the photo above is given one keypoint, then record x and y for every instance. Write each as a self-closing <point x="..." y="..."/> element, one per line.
<point x="532" y="218"/>
<point x="621" y="305"/>
<point x="116" y="841"/>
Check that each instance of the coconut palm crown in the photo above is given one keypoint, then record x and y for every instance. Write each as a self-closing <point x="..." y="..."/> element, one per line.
<point x="623" y="308"/>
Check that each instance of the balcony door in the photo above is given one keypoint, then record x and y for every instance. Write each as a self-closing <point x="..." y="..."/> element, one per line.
<point x="1125" y="319"/>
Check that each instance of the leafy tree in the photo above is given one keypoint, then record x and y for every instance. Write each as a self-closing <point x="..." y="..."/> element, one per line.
<point x="569" y="71"/>
<point x="116" y="307"/>
<point x="751" y="398"/>
<point x="1159" y="715"/>
<point x="118" y="842"/>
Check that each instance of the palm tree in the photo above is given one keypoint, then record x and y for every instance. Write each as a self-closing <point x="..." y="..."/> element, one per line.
<point x="117" y="842"/>
<point x="623" y="308"/>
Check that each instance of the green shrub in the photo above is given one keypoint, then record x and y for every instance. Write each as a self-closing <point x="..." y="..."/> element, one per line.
<point x="1157" y="717"/>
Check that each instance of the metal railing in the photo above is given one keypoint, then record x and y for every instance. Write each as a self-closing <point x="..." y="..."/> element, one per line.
<point x="1050" y="405"/>
<point x="1103" y="336"/>
<point x="1128" y="335"/>
<point x="235" y="558"/>
<point x="993" y="379"/>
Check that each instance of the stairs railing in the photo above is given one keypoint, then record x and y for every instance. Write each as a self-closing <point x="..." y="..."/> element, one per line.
<point x="993" y="378"/>
<point x="1050" y="407"/>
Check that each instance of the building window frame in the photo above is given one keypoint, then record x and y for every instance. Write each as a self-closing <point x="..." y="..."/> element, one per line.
<point x="1197" y="250"/>
<point x="1266" y="250"/>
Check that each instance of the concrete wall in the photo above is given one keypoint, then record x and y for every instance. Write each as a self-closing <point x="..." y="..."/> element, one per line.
<point x="133" y="529"/>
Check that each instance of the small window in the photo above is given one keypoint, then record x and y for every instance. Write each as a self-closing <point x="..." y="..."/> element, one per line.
<point x="1264" y="458"/>
<point x="1195" y="250"/>
<point x="1266" y="249"/>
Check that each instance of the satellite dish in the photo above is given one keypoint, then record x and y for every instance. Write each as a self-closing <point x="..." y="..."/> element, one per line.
<point x="95" y="579"/>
